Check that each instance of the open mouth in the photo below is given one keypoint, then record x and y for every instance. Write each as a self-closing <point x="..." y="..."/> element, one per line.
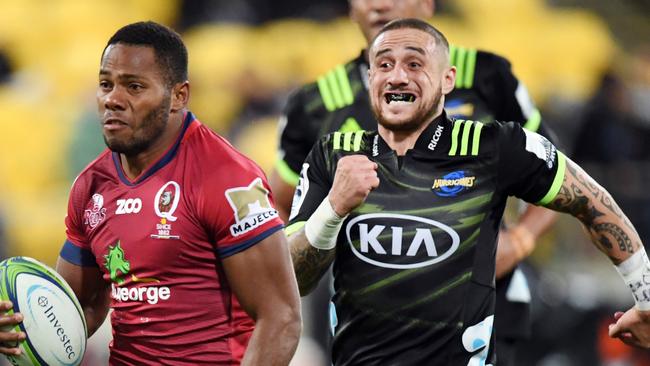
<point x="399" y="97"/>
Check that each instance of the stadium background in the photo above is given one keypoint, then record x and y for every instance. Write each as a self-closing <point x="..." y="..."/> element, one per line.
<point x="586" y="63"/>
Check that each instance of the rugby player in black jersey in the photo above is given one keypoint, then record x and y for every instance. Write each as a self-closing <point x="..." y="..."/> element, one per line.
<point x="410" y="215"/>
<point x="485" y="89"/>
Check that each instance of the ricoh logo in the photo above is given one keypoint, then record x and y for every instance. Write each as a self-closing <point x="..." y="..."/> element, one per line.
<point x="127" y="206"/>
<point x="435" y="138"/>
<point x="51" y="316"/>
<point x="382" y="240"/>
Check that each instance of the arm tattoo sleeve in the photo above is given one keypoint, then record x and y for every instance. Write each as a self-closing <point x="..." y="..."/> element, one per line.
<point x="309" y="263"/>
<point x="609" y="228"/>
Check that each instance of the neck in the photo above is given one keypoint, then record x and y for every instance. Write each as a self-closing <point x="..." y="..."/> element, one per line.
<point x="134" y="165"/>
<point x="403" y="141"/>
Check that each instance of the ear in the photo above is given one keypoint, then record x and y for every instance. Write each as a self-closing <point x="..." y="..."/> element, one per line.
<point x="180" y="96"/>
<point x="448" y="80"/>
<point x="431" y="6"/>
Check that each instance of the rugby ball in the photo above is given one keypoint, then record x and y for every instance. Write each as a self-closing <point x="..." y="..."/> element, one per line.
<point x="53" y="319"/>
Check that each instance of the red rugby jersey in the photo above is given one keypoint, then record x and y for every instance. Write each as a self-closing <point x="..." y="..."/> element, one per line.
<point x="160" y="240"/>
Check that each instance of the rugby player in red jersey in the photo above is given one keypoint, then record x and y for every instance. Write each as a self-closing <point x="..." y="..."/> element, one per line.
<point x="173" y="228"/>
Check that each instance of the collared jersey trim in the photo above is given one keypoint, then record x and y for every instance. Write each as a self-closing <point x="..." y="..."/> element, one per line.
<point x="286" y="173"/>
<point x="293" y="228"/>
<point x="557" y="181"/>
<point x="169" y="155"/>
<point x="77" y="255"/>
<point x="234" y="249"/>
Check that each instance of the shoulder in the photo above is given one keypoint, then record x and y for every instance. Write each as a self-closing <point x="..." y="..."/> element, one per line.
<point x="90" y="181"/>
<point x="473" y="138"/>
<point x="489" y="64"/>
<point x="212" y="156"/>
<point x="102" y="166"/>
<point x="330" y="91"/>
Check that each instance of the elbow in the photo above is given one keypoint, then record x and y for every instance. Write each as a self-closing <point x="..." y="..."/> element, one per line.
<point x="290" y="324"/>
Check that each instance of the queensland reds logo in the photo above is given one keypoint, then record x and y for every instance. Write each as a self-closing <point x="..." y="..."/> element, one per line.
<point x="166" y="200"/>
<point x="97" y="213"/>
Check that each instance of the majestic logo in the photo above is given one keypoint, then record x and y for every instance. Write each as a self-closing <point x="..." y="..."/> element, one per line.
<point x="116" y="262"/>
<point x="251" y="207"/>
<point x="452" y="184"/>
<point x="165" y="204"/>
<point x="97" y="213"/>
<point x="541" y="147"/>
<point x="127" y="206"/>
<point x="435" y="138"/>
<point x="300" y="192"/>
<point x="382" y="240"/>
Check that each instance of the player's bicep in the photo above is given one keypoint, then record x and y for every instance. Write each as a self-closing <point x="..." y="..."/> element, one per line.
<point x="262" y="278"/>
<point x="92" y="291"/>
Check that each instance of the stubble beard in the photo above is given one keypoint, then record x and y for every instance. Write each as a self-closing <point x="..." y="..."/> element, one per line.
<point x="421" y="117"/>
<point x="152" y="128"/>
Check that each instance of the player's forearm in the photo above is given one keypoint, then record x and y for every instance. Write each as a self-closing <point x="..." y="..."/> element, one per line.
<point x="309" y="263"/>
<point x="95" y="315"/>
<point x="514" y="246"/>
<point x="609" y="228"/>
<point x="274" y="340"/>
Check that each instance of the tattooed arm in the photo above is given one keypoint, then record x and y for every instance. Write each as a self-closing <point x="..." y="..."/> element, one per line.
<point x="609" y="228"/>
<point x="614" y="235"/>
<point x="309" y="262"/>
<point x="313" y="247"/>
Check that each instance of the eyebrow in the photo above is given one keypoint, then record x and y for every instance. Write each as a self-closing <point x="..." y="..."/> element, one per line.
<point x="121" y="76"/>
<point x="411" y="48"/>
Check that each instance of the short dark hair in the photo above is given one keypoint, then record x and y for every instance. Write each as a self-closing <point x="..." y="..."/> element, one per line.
<point x="418" y="24"/>
<point x="168" y="46"/>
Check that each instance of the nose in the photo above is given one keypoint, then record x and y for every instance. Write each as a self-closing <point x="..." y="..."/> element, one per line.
<point x="381" y="6"/>
<point x="398" y="77"/>
<point x="112" y="100"/>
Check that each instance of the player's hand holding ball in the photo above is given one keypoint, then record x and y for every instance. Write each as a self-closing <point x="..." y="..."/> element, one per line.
<point x="355" y="177"/>
<point x="8" y="338"/>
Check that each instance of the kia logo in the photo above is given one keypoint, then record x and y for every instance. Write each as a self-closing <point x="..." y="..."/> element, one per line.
<point x="431" y="241"/>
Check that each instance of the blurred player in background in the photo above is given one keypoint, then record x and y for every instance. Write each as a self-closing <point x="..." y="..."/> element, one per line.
<point x="410" y="215"/>
<point x="171" y="227"/>
<point x="485" y="90"/>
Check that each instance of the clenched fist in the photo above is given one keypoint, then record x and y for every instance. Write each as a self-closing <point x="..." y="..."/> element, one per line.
<point x="355" y="177"/>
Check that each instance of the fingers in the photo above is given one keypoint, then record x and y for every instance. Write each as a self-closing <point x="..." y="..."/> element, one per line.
<point x="9" y="337"/>
<point x="10" y="351"/>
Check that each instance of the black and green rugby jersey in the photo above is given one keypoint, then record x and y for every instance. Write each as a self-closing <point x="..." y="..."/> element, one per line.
<point x="414" y="266"/>
<point x="485" y="90"/>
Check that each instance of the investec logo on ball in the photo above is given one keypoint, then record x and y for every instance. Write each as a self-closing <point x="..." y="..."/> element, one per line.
<point x="46" y="318"/>
<point x="401" y="241"/>
<point x="251" y="207"/>
<point x="118" y="268"/>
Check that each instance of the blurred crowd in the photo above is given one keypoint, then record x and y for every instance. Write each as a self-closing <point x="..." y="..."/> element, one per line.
<point x="590" y="79"/>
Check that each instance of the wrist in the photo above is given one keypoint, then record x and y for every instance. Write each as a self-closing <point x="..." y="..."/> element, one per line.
<point x="635" y="270"/>
<point x="323" y="226"/>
